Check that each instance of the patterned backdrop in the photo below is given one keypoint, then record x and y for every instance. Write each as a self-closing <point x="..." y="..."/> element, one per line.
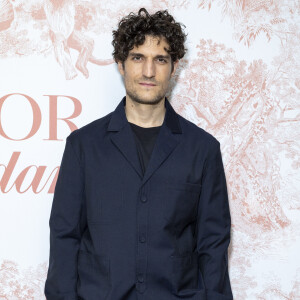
<point x="240" y="81"/>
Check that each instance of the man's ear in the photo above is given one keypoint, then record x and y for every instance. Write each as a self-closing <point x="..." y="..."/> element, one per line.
<point x="175" y="65"/>
<point x="120" y="67"/>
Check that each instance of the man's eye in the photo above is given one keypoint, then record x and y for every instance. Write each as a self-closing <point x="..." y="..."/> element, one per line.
<point x="136" y="58"/>
<point x="162" y="60"/>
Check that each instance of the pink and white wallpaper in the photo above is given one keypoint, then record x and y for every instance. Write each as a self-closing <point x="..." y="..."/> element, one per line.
<point x="240" y="81"/>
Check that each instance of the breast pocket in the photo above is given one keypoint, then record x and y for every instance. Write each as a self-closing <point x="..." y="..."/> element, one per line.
<point x="180" y="201"/>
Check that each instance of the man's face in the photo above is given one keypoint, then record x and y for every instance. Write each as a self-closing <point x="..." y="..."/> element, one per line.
<point x="147" y="71"/>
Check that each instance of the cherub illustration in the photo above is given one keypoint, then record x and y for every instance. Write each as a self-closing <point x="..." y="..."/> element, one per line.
<point x="60" y="16"/>
<point x="6" y="14"/>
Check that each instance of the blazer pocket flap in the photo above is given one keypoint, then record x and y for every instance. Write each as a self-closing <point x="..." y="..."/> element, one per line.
<point x="185" y="186"/>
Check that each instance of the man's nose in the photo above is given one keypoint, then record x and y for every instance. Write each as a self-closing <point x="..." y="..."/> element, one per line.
<point x="149" y="68"/>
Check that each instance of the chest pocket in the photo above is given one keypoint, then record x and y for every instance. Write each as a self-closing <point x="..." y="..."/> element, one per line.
<point x="180" y="201"/>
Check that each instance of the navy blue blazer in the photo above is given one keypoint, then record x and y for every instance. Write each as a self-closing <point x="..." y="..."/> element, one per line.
<point x="118" y="235"/>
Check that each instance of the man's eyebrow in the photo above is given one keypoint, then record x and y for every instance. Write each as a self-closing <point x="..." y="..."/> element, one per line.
<point x="136" y="54"/>
<point x="142" y="55"/>
<point x="162" y="56"/>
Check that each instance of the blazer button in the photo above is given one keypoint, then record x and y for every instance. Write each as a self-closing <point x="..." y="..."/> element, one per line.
<point x="140" y="278"/>
<point x="142" y="239"/>
<point x="144" y="198"/>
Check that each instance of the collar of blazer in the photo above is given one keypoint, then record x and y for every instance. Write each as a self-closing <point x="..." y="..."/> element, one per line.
<point x="167" y="139"/>
<point x="119" y="119"/>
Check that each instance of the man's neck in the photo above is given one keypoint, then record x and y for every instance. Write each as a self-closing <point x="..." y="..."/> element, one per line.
<point x="145" y="115"/>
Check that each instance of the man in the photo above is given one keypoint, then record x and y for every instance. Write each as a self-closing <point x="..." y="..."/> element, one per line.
<point x="140" y="208"/>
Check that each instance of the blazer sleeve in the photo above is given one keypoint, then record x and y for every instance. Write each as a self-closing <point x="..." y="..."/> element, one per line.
<point x="65" y="227"/>
<point x="214" y="223"/>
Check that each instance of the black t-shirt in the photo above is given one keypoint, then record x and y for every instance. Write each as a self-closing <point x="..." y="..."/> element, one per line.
<point x="145" y="139"/>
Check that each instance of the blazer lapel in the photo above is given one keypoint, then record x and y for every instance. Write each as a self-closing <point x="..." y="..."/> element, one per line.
<point x="166" y="141"/>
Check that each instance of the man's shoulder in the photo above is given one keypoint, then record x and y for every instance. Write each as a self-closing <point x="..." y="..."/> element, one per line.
<point x="91" y="130"/>
<point x="197" y="133"/>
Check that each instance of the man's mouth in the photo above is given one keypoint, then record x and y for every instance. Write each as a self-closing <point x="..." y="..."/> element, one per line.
<point x="147" y="84"/>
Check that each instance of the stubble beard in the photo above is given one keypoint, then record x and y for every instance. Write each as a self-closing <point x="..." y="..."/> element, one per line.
<point x="157" y="99"/>
<point x="134" y="95"/>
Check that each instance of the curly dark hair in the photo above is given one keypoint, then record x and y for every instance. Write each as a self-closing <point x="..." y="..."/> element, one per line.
<point x="133" y="28"/>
